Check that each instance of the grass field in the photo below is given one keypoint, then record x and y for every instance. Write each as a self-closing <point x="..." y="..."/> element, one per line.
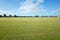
<point x="29" y="28"/>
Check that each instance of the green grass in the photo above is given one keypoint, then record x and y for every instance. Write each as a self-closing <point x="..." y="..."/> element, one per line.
<point x="29" y="28"/>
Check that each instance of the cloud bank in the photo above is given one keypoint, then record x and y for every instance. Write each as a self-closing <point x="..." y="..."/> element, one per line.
<point x="56" y="12"/>
<point x="31" y="7"/>
<point x="2" y="12"/>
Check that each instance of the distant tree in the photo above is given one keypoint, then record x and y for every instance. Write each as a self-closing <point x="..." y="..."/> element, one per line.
<point x="36" y="16"/>
<point x="4" y="15"/>
<point x="0" y="15"/>
<point x="10" y="15"/>
<point x="58" y="16"/>
<point x="15" y="16"/>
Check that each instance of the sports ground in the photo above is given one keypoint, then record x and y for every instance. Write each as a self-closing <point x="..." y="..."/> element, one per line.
<point x="29" y="28"/>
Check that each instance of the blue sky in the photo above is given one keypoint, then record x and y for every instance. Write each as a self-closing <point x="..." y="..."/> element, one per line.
<point x="30" y="7"/>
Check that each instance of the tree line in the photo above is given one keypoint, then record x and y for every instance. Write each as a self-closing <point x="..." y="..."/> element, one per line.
<point x="4" y="15"/>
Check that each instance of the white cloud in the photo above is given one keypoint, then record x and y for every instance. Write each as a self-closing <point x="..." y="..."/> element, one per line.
<point x="29" y="7"/>
<point x="56" y="11"/>
<point x="5" y="12"/>
<point x="40" y="1"/>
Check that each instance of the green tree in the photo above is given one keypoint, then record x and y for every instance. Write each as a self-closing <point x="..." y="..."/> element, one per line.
<point x="4" y="15"/>
<point x="10" y="15"/>
<point x="15" y="16"/>
<point x="36" y="16"/>
<point x="0" y="15"/>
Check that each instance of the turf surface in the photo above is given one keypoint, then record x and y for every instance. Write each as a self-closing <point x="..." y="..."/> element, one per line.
<point x="29" y="28"/>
